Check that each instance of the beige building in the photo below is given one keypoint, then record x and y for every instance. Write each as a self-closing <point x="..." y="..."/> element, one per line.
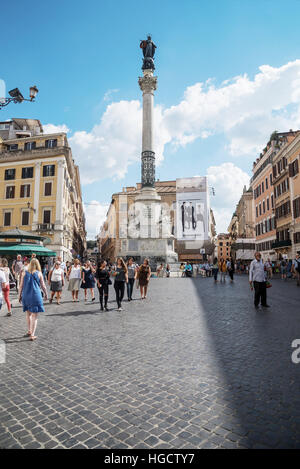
<point x="242" y="228"/>
<point x="120" y="217"/>
<point x="263" y="193"/>
<point x="40" y="186"/>
<point x="286" y="181"/>
<point x="223" y="245"/>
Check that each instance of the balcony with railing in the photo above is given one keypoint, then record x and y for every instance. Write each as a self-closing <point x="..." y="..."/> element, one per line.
<point x="281" y="244"/>
<point x="45" y="227"/>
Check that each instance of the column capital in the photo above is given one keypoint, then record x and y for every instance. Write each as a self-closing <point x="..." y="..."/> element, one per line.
<point x="148" y="83"/>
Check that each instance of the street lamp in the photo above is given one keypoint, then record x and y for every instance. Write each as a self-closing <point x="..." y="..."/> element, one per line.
<point x="17" y="97"/>
<point x="30" y="208"/>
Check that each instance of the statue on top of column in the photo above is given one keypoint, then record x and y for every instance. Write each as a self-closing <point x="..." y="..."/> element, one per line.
<point x="148" y="47"/>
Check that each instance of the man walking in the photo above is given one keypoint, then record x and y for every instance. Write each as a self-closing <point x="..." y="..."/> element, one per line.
<point x="257" y="278"/>
<point x="17" y="269"/>
<point x="296" y="268"/>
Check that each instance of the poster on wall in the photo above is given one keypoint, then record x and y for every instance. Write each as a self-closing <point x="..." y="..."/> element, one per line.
<point x="192" y="208"/>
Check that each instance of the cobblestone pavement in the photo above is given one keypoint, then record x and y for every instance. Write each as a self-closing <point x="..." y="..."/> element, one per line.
<point x="193" y="366"/>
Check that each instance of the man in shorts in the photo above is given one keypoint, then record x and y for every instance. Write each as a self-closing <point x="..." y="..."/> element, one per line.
<point x="17" y="269"/>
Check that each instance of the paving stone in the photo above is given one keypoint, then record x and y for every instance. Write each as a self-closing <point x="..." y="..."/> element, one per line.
<point x="160" y="375"/>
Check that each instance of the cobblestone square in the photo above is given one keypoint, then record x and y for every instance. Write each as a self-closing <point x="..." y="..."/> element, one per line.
<point x="193" y="366"/>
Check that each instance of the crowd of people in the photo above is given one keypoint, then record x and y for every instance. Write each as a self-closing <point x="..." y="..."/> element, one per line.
<point x="30" y="279"/>
<point x="284" y="268"/>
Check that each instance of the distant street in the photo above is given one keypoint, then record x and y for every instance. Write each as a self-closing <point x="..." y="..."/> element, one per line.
<point x="193" y="366"/>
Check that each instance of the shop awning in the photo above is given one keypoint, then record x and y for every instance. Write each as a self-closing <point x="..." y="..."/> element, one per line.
<point x="26" y="249"/>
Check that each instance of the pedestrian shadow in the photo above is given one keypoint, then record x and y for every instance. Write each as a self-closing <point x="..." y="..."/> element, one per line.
<point x="14" y="340"/>
<point x="76" y="313"/>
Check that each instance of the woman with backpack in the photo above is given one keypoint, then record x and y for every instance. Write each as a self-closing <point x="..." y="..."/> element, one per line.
<point x="283" y="268"/>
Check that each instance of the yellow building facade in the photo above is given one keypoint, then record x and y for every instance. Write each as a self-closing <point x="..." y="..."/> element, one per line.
<point x="40" y="191"/>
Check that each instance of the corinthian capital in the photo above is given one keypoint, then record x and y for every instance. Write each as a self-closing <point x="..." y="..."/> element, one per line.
<point x="148" y="83"/>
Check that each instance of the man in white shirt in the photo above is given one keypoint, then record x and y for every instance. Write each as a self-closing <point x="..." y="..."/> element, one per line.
<point x="257" y="278"/>
<point x="3" y="284"/>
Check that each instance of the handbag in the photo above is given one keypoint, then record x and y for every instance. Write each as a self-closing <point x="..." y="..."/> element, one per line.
<point x="268" y="284"/>
<point x="12" y="282"/>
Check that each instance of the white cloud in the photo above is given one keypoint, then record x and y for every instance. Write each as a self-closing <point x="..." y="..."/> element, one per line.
<point x="246" y="111"/>
<point x="53" y="129"/>
<point x="108" y="95"/>
<point x="95" y="214"/>
<point x="228" y="181"/>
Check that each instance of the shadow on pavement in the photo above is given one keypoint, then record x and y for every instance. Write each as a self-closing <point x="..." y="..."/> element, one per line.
<point x="253" y="351"/>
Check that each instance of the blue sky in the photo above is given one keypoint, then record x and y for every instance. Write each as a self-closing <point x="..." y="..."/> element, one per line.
<point x="85" y="59"/>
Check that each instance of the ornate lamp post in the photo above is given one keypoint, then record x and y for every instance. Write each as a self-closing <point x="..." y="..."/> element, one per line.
<point x="17" y="97"/>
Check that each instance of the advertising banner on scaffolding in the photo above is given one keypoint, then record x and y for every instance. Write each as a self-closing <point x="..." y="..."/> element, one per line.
<point x="192" y="209"/>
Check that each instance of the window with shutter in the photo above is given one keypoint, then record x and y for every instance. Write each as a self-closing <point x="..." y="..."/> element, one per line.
<point x="10" y="174"/>
<point x="27" y="173"/>
<point x="48" y="170"/>
<point x="25" y="218"/>
<point x="48" y="188"/>
<point x="47" y="216"/>
<point x="10" y="192"/>
<point x="30" y="146"/>
<point x="52" y="143"/>
<point x="25" y="190"/>
<point x="7" y="218"/>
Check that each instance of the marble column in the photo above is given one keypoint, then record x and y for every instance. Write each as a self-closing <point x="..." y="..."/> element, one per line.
<point x="148" y="85"/>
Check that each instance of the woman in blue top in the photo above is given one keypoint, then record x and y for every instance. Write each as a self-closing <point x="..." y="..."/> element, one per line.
<point x="30" y="295"/>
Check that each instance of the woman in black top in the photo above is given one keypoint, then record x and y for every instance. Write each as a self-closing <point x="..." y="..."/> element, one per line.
<point x="121" y="277"/>
<point x="103" y="282"/>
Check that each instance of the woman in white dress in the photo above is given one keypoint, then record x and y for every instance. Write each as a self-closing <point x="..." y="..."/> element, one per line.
<point x="74" y="277"/>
